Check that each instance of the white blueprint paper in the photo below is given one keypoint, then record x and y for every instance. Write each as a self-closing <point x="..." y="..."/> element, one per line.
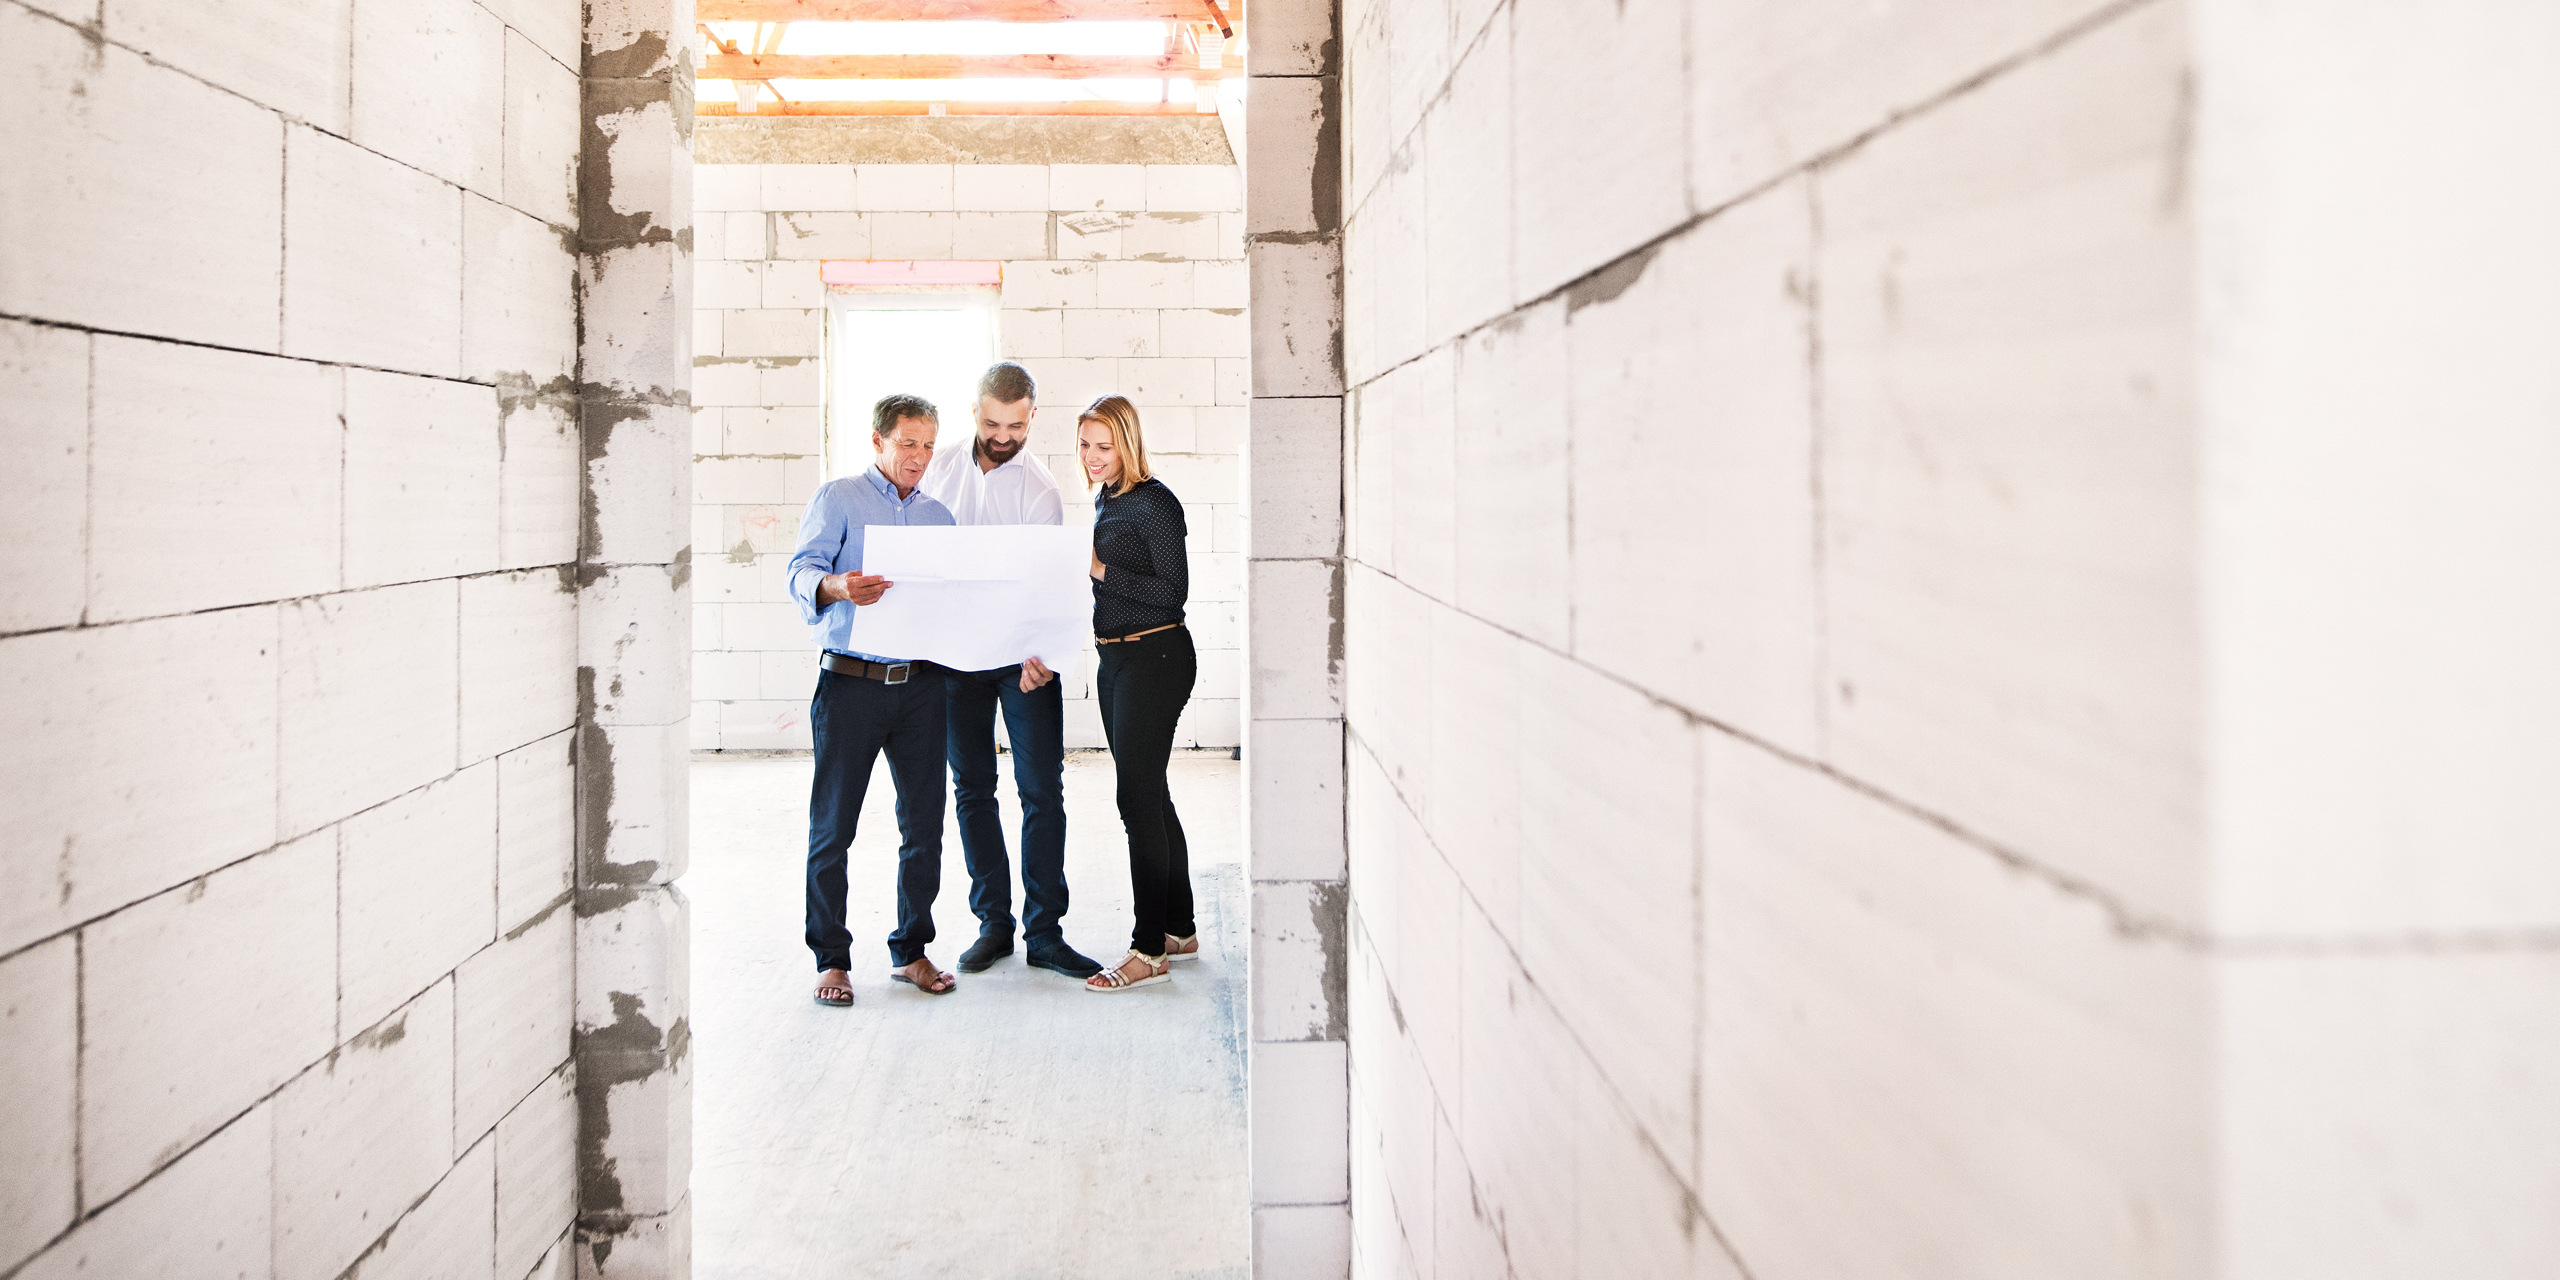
<point x="975" y="597"/>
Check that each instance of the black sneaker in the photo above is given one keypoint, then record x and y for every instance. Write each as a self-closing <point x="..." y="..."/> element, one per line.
<point x="989" y="948"/>
<point x="1058" y="957"/>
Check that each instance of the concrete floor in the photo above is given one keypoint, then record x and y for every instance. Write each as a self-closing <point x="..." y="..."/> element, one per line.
<point x="1016" y="1128"/>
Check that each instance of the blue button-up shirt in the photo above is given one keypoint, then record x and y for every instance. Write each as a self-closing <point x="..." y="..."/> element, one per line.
<point x="831" y="542"/>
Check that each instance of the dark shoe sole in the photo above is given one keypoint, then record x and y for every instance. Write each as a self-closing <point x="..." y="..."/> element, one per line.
<point x="1079" y="973"/>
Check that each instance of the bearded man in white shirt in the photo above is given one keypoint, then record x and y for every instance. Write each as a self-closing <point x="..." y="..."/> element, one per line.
<point x="996" y="480"/>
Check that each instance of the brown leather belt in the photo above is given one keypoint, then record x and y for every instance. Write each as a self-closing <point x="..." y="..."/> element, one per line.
<point x="884" y="672"/>
<point x="1135" y="634"/>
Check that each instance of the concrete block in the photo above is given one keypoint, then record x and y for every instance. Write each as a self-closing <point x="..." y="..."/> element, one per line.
<point x="1467" y="185"/>
<point x="1520" y="1081"/>
<point x="536" y="827"/>
<point x="290" y="55"/>
<point x="208" y="1214"/>
<point x="706" y="627"/>
<point x="519" y="297"/>
<point x="1885" y="1002"/>
<point x="121" y="789"/>
<point x="1292" y="613"/>
<point x="634" y="829"/>
<point x="1142" y="284"/>
<point x="784" y="677"/>
<point x="2012" y="609"/>
<point x="763" y="626"/>
<point x="1422" y="450"/>
<point x="1611" y="847"/>
<point x="1285" y="137"/>
<point x="637" y="315"/>
<point x="1473" y="774"/>
<point x="1513" y="489"/>
<point x="511" y="1021"/>
<point x="778" y="332"/>
<point x="519" y="667"/>
<point x="1302" y="1242"/>
<point x="538" y="480"/>
<point x="539" y="157"/>
<point x="1209" y="723"/>
<point x="783" y="725"/>
<point x="1225" y="284"/>
<point x="1301" y="1109"/>
<point x="213" y="479"/>
<point x="428" y="88"/>
<point x="1298" y="932"/>
<point x="40" y="1060"/>
<point x="706" y="342"/>
<point x="797" y="431"/>
<point x="142" y="140"/>
<point x="1092" y="332"/>
<point x="1024" y="334"/>
<point x="1729" y="628"/>
<point x="1000" y="236"/>
<point x="913" y="235"/>
<point x="1231" y="235"/>
<point x="726" y="285"/>
<point x="1391" y="288"/>
<point x="637" y="462"/>
<point x="803" y="187"/>
<point x="1632" y="1214"/>
<point x="1207" y="333"/>
<point x="416" y="891"/>
<point x="1297" y="326"/>
<point x="537" y="1154"/>
<point x="1464" y="1240"/>
<point x="449" y="1235"/>
<point x="727" y="677"/>
<point x="44" y="448"/>
<point x="1071" y="384"/>
<point x="2347" y="1083"/>
<point x="1049" y="284"/>
<point x="905" y="186"/>
<point x="1001" y="187"/>
<point x="362" y="1135"/>
<point x="1200" y="479"/>
<point x="722" y="187"/>
<point x="634" y="1067"/>
<point x="631" y="635"/>
<point x="1088" y="236"/>
<point x="711" y="236"/>
<point x="1171" y="237"/>
<point x="251" y="946"/>
<point x="1172" y="382"/>
<point x="1576" y="207"/>
<point x="333" y="753"/>
<point x="373" y="258"/>
<point x="792" y="382"/>
<point x="808" y="236"/>
<point x="1369" y="526"/>
<point x="745" y="235"/>
<point x="1097" y="186"/>
<point x="422" y="478"/>
<point x="1193" y="188"/>
<point x="554" y="26"/>
<point x="790" y="284"/>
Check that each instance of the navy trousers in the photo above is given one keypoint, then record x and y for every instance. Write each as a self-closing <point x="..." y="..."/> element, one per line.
<point x="854" y="722"/>
<point x="1035" y="723"/>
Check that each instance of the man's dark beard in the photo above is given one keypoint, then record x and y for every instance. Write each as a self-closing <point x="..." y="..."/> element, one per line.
<point x="999" y="454"/>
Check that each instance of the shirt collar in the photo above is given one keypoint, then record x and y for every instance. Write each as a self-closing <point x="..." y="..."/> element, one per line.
<point x="880" y="485"/>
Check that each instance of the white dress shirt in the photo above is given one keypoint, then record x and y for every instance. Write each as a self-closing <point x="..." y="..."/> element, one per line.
<point x="1020" y="491"/>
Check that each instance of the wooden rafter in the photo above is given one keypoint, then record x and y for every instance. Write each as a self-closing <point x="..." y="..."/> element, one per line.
<point x="870" y="108"/>
<point x="942" y="66"/>
<point x="964" y="11"/>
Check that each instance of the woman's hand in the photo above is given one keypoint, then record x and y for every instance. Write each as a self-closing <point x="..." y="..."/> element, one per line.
<point x="1035" y="674"/>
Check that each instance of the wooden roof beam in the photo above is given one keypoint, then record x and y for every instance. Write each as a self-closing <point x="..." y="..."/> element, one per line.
<point x="943" y="66"/>
<point x="1229" y="11"/>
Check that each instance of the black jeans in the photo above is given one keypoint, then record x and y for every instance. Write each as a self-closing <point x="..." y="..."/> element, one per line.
<point x="853" y="721"/>
<point x="1143" y="684"/>
<point x="1035" y="723"/>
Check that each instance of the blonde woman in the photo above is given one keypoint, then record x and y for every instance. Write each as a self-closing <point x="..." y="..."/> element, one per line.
<point x="1141" y="579"/>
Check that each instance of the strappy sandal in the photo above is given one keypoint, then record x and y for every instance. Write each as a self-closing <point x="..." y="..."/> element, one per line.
<point x="1186" y="947"/>
<point x="1112" y="979"/>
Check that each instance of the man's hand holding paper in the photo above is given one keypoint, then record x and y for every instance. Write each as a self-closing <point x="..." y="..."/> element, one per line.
<point x="977" y="597"/>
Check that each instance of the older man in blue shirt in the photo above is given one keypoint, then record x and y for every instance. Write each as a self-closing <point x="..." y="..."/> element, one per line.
<point x="869" y="703"/>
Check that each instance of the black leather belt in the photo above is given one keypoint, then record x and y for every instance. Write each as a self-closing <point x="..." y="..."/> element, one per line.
<point x="884" y="672"/>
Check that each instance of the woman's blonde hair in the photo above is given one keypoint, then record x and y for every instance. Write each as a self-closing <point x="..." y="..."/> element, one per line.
<point x="1120" y="418"/>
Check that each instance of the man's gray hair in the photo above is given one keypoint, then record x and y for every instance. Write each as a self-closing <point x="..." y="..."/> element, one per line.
<point x="886" y="415"/>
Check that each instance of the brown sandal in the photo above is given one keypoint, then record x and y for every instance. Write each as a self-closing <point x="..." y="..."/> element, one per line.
<point x="833" y="993"/>
<point x="1158" y="969"/>
<point x="940" y="984"/>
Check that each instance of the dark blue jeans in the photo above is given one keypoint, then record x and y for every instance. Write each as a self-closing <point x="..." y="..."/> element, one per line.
<point x="1143" y="685"/>
<point x="853" y="722"/>
<point x="1035" y="723"/>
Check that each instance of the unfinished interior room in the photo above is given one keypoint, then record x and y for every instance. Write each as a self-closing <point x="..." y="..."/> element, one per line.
<point x="1792" y="641"/>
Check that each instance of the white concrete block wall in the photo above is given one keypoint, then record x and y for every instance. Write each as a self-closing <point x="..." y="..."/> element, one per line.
<point x="289" y="334"/>
<point x="1936" y="635"/>
<point x="1124" y="279"/>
